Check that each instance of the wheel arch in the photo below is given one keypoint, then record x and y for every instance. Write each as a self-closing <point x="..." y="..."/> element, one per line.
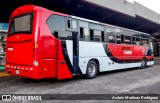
<point x="144" y="58"/>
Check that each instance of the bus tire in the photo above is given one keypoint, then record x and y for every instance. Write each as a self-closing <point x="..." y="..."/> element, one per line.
<point x="143" y="63"/>
<point x="92" y="69"/>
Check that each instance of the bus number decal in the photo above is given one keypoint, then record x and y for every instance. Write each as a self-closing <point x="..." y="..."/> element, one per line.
<point x="126" y="50"/>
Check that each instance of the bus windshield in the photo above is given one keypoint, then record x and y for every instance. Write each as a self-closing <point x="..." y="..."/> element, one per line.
<point x="21" y="24"/>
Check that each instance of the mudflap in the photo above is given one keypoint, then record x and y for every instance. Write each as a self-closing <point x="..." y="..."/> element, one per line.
<point x="63" y="69"/>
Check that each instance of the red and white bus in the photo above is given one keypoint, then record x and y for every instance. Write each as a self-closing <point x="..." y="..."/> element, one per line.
<point x="48" y="44"/>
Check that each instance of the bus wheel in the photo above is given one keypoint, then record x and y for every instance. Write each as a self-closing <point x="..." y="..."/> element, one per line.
<point x="92" y="69"/>
<point x="143" y="63"/>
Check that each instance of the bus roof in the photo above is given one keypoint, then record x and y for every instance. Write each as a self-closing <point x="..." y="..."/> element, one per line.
<point x="33" y="7"/>
<point x="96" y="22"/>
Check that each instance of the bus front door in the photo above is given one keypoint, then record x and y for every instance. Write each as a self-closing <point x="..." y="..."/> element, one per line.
<point x="75" y="66"/>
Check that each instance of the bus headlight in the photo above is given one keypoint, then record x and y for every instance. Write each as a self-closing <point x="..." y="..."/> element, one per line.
<point x="35" y="63"/>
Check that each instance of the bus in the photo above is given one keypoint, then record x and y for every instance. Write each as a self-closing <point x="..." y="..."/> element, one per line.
<point x="48" y="44"/>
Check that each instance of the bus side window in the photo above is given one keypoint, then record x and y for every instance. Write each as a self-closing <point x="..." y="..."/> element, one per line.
<point x="91" y="35"/>
<point x="138" y="41"/>
<point x="84" y="34"/>
<point x="118" y="38"/>
<point x="97" y="35"/>
<point x="56" y="23"/>
<point x="69" y="23"/>
<point x="134" y="40"/>
<point x="145" y="42"/>
<point x="63" y="35"/>
<point x="102" y="35"/>
<point x="83" y="30"/>
<point x="122" y="39"/>
<point x="111" y="35"/>
<point x="72" y="24"/>
<point x="81" y="33"/>
<point x="127" y="40"/>
<point x="111" y="38"/>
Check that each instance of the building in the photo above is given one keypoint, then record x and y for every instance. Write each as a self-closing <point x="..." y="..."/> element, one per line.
<point x="3" y="32"/>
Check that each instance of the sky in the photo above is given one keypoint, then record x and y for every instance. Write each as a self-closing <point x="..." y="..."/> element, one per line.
<point x="151" y="4"/>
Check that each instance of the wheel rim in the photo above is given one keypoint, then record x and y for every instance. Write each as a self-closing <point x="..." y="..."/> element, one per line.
<point x="92" y="69"/>
<point x="143" y="63"/>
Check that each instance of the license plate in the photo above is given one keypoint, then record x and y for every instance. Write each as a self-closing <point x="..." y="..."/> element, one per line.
<point x="17" y="71"/>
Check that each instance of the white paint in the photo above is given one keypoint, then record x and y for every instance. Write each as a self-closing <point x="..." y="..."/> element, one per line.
<point x="10" y="49"/>
<point x="93" y="50"/>
<point x="150" y="63"/>
<point x="127" y="52"/>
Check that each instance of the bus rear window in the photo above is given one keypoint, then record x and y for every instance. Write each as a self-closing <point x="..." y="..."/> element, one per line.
<point x="21" y="24"/>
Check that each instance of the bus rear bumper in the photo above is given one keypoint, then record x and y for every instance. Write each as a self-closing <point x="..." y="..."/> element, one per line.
<point x="25" y="71"/>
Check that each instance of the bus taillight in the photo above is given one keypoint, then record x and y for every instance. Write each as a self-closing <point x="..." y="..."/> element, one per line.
<point x="35" y="45"/>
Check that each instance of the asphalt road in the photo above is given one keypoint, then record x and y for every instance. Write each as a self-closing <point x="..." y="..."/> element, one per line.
<point x="130" y="81"/>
